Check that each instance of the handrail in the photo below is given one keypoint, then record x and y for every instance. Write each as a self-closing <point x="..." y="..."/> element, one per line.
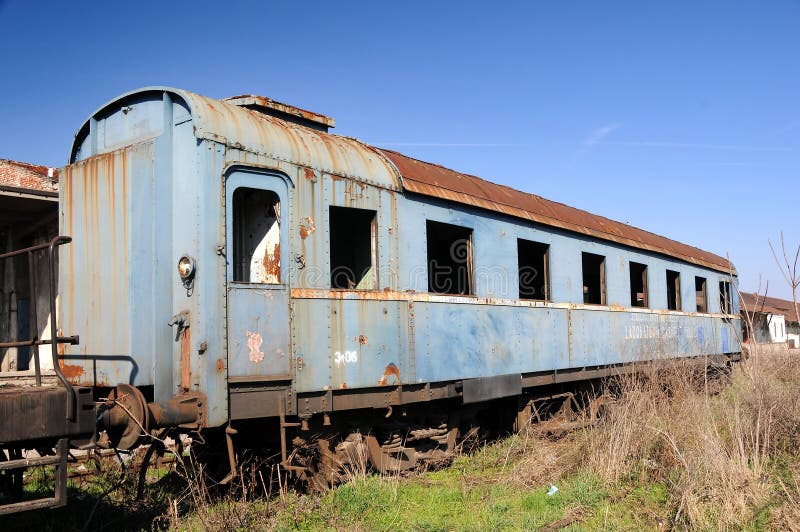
<point x="71" y="400"/>
<point x="29" y="249"/>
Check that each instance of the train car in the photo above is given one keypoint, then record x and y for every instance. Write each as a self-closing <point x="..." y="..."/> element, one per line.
<point x="234" y="265"/>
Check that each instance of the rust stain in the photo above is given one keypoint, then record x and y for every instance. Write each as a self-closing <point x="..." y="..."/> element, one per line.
<point x="60" y="348"/>
<point x="307" y="227"/>
<point x="386" y="295"/>
<point x="362" y="339"/>
<point x="391" y="371"/>
<point x="220" y="365"/>
<point x="186" y="358"/>
<point x="343" y="386"/>
<point x="272" y="264"/>
<point x="254" y="341"/>
<point x="310" y="175"/>
<point x="72" y="373"/>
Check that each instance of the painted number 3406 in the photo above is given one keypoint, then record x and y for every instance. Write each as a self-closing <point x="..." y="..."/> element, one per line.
<point x="347" y="357"/>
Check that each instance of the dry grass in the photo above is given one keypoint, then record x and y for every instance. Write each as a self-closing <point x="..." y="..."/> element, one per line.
<point x="718" y="448"/>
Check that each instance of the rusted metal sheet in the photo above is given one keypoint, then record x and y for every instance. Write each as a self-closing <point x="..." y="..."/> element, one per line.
<point x="256" y="102"/>
<point x="421" y="297"/>
<point x="440" y="182"/>
<point x="95" y="270"/>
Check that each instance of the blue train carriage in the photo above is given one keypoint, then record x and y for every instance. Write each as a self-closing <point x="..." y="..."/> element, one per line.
<point x="233" y="262"/>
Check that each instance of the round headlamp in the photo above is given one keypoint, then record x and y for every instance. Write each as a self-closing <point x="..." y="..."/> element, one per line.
<point x="186" y="268"/>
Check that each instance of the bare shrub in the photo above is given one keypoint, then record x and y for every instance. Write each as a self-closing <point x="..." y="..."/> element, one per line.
<point x="714" y="445"/>
<point x="539" y="460"/>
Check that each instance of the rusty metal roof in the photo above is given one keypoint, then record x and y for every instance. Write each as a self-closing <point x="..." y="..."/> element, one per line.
<point x="768" y="305"/>
<point x="253" y="131"/>
<point x="437" y="181"/>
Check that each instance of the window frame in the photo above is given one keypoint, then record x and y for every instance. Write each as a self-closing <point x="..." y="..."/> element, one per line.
<point x="238" y="176"/>
<point x="725" y="299"/>
<point x="705" y="294"/>
<point x="546" y="266"/>
<point x="469" y="263"/>
<point x="645" y="282"/>
<point x="237" y="230"/>
<point x="676" y="282"/>
<point x="603" y="283"/>
<point x="373" y="236"/>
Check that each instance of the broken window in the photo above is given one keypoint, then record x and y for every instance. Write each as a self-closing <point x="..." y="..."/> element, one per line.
<point x="449" y="258"/>
<point x="700" y="294"/>
<point x="594" y="279"/>
<point x="534" y="278"/>
<point x="673" y="290"/>
<point x="256" y="236"/>
<point x="353" y="249"/>
<point x="725" y="304"/>
<point x="638" y="284"/>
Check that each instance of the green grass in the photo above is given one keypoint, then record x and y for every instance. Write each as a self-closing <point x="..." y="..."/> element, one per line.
<point x="450" y="500"/>
<point x="474" y="493"/>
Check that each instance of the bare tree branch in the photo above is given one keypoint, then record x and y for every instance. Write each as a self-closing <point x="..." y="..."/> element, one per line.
<point x="788" y="269"/>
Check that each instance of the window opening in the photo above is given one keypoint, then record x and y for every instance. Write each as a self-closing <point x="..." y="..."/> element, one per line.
<point x="449" y="258"/>
<point x="725" y="306"/>
<point x="533" y="260"/>
<point x="673" y="290"/>
<point x="594" y="279"/>
<point x="638" y="285"/>
<point x="353" y="249"/>
<point x="256" y="236"/>
<point x="700" y="294"/>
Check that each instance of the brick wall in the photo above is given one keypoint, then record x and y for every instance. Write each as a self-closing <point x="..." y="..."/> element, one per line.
<point x="24" y="175"/>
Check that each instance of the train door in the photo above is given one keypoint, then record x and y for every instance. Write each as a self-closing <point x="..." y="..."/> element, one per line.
<point x="258" y="300"/>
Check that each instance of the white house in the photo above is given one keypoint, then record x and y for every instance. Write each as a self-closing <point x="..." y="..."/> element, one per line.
<point x="774" y="320"/>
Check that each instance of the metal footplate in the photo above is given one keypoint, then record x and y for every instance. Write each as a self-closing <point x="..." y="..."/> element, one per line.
<point x="28" y="414"/>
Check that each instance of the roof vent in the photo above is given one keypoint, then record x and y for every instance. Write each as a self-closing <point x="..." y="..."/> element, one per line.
<point x="287" y="112"/>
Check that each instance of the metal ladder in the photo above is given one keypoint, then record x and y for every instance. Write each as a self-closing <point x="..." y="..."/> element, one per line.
<point x="59" y="498"/>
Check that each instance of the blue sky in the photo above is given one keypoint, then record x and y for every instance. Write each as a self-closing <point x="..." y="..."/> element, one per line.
<point x="680" y="117"/>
